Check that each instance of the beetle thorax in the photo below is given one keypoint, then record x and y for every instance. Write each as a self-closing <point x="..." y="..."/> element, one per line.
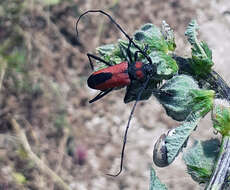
<point x="149" y="70"/>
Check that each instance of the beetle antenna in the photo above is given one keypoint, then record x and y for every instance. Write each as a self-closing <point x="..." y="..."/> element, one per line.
<point x="118" y="26"/>
<point x="127" y="128"/>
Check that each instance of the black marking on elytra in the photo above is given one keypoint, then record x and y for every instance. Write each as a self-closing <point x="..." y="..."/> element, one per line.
<point x="97" y="79"/>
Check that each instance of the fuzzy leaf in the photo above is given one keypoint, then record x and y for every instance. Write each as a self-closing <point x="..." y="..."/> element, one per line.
<point x="202" y="100"/>
<point x="201" y="61"/>
<point x="110" y="53"/>
<point x="181" y="95"/>
<point x="206" y="49"/>
<point x="176" y="140"/>
<point x="175" y="96"/>
<point x="166" y="65"/>
<point x="191" y="32"/>
<point x="221" y="116"/>
<point x="200" y="159"/>
<point x="168" y="36"/>
<point x="155" y="183"/>
<point x="151" y="35"/>
<point x="106" y="49"/>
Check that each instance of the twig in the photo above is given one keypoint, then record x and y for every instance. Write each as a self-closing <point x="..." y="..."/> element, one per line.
<point x="32" y="156"/>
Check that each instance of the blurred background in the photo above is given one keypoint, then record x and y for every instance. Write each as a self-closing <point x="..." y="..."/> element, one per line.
<point x="43" y="76"/>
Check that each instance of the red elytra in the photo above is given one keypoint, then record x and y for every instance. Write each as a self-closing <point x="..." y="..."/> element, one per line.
<point x="115" y="76"/>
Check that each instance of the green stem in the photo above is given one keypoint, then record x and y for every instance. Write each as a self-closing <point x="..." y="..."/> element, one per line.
<point x="220" y="173"/>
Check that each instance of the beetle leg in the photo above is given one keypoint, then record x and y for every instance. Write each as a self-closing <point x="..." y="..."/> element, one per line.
<point x="97" y="58"/>
<point x="100" y="95"/>
<point x="136" y="53"/>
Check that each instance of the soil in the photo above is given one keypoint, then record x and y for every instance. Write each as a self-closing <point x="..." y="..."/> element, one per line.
<point x="82" y="142"/>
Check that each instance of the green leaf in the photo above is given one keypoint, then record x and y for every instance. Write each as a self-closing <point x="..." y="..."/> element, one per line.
<point x="176" y="98"/>
<point x="221" y="116"/>
<point x="168" y="36"/>
<point x="151" y="35"/>
<point x="166" y="65"/>
<point x="155" y="183"/>
<point x="181" y="95"/>
<point x="202" y="100"/>
<point x="206" y="49"/>
<point x="201" y="61"/>
<point x="200" y="159"/>
<point x="106" y="49"/>
<point x="177" y="138"/>
<point x="110" y="53"/>
<point x="191" y="32"/>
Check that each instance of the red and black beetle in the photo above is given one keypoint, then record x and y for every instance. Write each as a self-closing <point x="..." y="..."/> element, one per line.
<point x="120" y="75"/>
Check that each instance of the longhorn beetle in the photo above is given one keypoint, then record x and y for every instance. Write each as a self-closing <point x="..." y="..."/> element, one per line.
<point x="120" y="75"/>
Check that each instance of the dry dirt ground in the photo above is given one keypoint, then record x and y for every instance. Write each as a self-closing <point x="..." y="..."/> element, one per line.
<point x="82" y="142"/>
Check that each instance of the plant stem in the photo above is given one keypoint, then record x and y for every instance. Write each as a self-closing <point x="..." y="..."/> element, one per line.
<point x="33" y="157"/>
<point x="220" y="172"/>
